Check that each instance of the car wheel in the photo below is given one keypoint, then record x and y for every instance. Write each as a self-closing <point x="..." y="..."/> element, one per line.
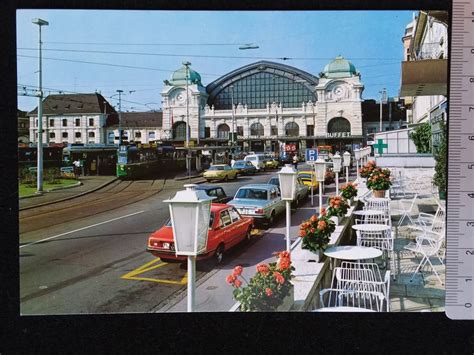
<point x="166" y="260"/>
<point x="219" y="255"/>
<point x="226" y="178"/>
<point x="248" y="236"/>
<point x="235" y="177"/>
<point x="271" y="219"/>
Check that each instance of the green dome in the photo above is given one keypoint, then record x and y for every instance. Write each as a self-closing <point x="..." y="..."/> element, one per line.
<point x="339" y="68"/>
<point x="179" y="77"/>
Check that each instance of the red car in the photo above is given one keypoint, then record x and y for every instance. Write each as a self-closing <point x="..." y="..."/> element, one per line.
<point x="226" y="229"/>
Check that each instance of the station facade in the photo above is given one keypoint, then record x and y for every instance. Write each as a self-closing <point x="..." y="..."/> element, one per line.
<point x="267" y="106"/>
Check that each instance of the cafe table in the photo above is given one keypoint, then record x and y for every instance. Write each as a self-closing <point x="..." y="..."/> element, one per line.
<point x="371" y="227"/>
<point x="351" y="253"/>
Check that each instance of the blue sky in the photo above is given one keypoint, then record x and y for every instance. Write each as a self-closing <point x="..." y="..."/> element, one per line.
<point x="370" y="39"/>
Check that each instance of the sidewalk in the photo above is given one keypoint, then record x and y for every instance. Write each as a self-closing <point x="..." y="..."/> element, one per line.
<point x="213" y="294"/>
<point x="89" y="184"/>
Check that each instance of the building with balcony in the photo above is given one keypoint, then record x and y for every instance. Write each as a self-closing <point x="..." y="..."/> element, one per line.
<point x="73" y="118"/>
<point x="425" y="69"/>
<point x="266" y="106"/>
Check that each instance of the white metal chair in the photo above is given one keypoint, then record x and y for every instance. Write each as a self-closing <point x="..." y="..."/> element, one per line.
<point x="382" y="240"/>
<point x="406" y="210"/>
<point x="362" y="276"/>
<point x="428" y="245"/>
<point x="429" y="222"/>
<point x="370" y="300"/>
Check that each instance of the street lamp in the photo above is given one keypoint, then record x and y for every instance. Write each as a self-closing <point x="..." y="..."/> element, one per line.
<point x="188" y="156"/>
<point x="346" y="163"/>
<point x="357" y="155"/>
<point x="336" y="166"/>
<point x="190" y="212"/>
<point x="287" y="177"/>
<point x="39" y="143"/>
<point x="320" y="170"/>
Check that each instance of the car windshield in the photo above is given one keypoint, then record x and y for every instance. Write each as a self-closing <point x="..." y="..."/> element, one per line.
<point x="274" y="181"/>
<point x="217" y="167"/>
<point x="211" y="220"/>
<point x="239" y="164"/>
<point x="305" y="176"/>
<point x="251" y="158"/>
<point x="252" y="194"/>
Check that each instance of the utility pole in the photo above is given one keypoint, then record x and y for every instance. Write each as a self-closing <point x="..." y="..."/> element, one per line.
<point x="383" y="97"/>
<point x="233" y="116"/>
<point x="188" y="156"/>
<point x="120" y="115"/>
<point x="39" y="142"/>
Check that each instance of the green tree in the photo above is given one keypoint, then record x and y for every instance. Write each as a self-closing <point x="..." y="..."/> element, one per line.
<point x="421" y="137"/>
<point x="440" y="178"/>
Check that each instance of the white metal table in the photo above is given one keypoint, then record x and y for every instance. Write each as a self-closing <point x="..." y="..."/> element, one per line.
<point x="371" y="227"/>
<point x="343" y="309"/>
<point x="352" y="252"/>
<point x="368" y="212"/>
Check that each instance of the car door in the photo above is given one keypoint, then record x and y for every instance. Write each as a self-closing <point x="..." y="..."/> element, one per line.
<point x="275" y="200"/>
<point x="239" y="227"/>
<point x="221" y="196"/>
<point x="225" y="225"/>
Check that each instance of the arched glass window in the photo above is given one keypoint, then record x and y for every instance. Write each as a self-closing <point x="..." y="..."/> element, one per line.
<point x="223" y="131"/>
<point x="179" y="131"/>
<point x="292" y="129"/>
<point x="339" y="124"/>
<point x="256" y="129"/>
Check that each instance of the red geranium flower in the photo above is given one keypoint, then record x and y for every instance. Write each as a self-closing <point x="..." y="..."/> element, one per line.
<point x="263" y="268"/>
<point x="230" y="279"/>
<point x="284" y="263"/>
<point x="268" y="292"/>
<point x="237" y="283"/>
<point x="237" y="270"/>
<point x="321" y="225"/>
<point x="278" y="277"/>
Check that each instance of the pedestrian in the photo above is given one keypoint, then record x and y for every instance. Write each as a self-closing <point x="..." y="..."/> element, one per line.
<point x="295" y="161"/>
<point x="232" y="162"/>
<point x="77" y="167"/>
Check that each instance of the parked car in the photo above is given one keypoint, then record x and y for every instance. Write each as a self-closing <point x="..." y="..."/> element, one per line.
<point x="220" y="172"/>
<point x="261" y="201"/>
<point x="271" y="163"/>
<point x="215" y="191"/>
<point x="258" y="160"/>
<point x="227" y="228"/>
<point x="305" y="176"/>
<point x="301" y="190"/>
<point x="244" y="167"/>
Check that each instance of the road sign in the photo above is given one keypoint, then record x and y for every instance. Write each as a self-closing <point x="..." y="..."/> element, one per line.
<point x="311" y="154"/>
<point x="460" y="203"/>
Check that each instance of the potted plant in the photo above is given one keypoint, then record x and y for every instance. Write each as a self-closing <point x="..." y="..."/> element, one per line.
<point x="316" y="233"/>
<point x="349" y="191"/>
<point x="379" y="181"/>
<point x="329" y="177"/>
<point x="337" y="209"/>
<point x="269" y="289"/>
<point x="367" y="169"/>
<point x="440" y="178"/>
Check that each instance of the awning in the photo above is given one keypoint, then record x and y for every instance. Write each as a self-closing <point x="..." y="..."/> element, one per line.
<point x="424" y="77"/>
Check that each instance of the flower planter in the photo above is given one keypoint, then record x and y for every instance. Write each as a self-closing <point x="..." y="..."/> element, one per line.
<point x="351" y="201"/>
<point x="379" y="193"/>
<point x="287" y="301"/>
<point x="337" y="220"/>
<point x="442" y="195"/>
<point x="309" y="256"/>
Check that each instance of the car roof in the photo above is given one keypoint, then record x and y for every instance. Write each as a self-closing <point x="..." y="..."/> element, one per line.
<point x="240" y="161"/>
<point x="219" y="165"/>
<point x="216" y="207"/>
<point x="258" y="186"/>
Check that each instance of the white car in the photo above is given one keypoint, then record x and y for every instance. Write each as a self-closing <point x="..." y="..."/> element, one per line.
<point x="258" y="160"/>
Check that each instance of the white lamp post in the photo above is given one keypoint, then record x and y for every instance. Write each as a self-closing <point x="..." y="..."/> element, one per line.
<point x="320" y="169"/>
<point x="357" y="155"/>
<point x="346" y="163"/>
<point x="39" y="142"/>
<point x="287" y="177"/>
<point x="190" y="212"/>
<point x="336" y="166"/>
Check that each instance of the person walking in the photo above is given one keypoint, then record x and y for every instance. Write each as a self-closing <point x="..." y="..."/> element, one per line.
<point x="77" y="167"/>
<point x="295" y="161"/>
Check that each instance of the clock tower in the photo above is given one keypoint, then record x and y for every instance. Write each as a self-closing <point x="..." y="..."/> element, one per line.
<point x="177" y="104"/>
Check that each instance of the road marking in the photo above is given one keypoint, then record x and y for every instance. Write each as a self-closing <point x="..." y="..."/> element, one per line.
<point x="80" y="229"/>
<point x="132" y="275"/>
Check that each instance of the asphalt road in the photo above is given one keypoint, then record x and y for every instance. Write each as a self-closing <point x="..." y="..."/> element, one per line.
<point x="87" y="255"/>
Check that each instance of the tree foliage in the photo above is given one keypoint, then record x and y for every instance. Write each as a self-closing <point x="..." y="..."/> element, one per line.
<point x="440" y="157"/>
<point x="421" y="137"/>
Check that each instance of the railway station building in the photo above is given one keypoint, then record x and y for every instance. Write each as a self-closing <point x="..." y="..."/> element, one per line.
<point x="267" y="106"/>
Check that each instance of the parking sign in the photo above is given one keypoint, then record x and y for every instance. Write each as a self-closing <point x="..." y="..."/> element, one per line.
<point x="311" y="155"/>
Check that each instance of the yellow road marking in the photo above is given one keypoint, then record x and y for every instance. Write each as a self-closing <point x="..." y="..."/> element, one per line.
<point x="132" y="275"/>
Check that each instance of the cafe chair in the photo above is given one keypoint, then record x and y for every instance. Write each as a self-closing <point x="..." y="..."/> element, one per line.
<point x="382" y="240"/>
<point x="406" y="209"/>
<point x="356" y="299"/>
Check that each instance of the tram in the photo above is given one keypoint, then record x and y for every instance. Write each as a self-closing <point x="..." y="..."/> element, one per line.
<point x="96" y="159"/>
<point x="27" y="156"/>
<point x="137" y="161"/>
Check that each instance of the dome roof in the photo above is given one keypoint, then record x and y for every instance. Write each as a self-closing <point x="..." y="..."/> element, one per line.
<point x="179" y="77"/>
<point x="339" y="68"/>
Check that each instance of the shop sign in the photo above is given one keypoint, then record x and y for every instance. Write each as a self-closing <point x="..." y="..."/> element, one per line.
<point x="338" y="134"/>
<point x="290" y="147"/>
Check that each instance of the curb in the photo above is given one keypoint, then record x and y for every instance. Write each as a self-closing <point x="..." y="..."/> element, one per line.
<point x="187" y="177"/>
<point x="49" y="190"/>
<point x="70" y="197"/>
